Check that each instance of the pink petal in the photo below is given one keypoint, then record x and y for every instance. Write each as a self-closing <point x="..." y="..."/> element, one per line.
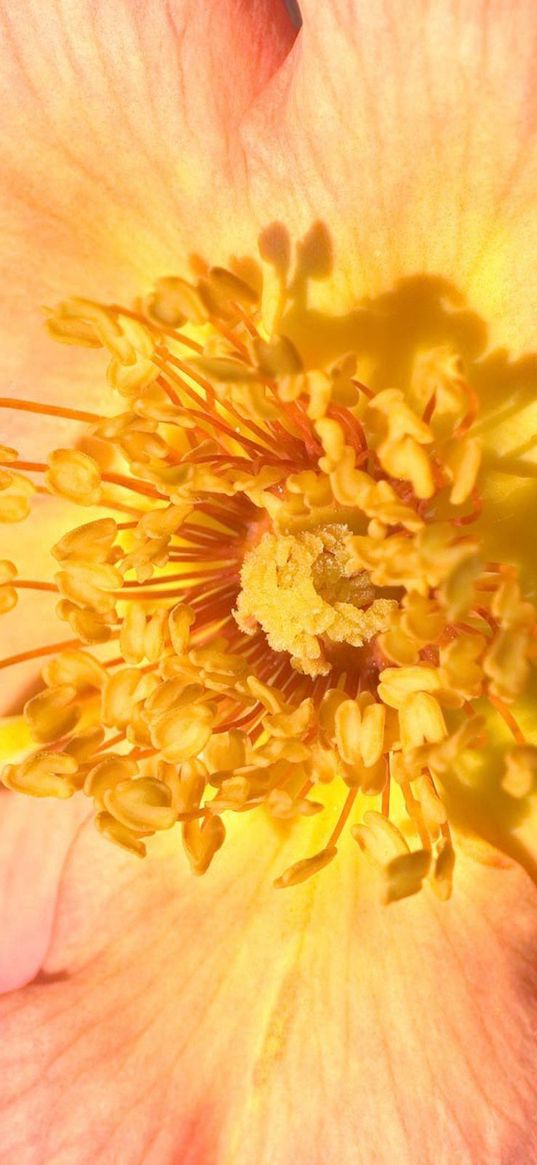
<point x="217" y="1020"/>
<point x="34" y="841"/>
<point x="410" y="130"/>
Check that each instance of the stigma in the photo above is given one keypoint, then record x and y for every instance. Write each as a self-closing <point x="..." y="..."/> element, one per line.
<point x="284" y="607"/>
<point x="303" y="591"/>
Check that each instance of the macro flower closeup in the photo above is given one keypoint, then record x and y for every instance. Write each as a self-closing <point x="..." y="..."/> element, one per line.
<point x="268" y="583"/>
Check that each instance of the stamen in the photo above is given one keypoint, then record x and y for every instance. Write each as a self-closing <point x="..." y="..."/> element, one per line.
<point x="342" y="820"/>
<point x="32" y="406"/>
<point x="508" y="718"/>
<point x="36" y="652"/>
<point x="291" y="598"/>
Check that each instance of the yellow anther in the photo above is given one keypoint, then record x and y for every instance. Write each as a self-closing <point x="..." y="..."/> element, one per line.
<point x="174" y="301"/>
<point x="463" y="463"/>
<point x="434" y="811"/>
<point x="506" y="664"/>
<point x="223" y="289"/>
<point x="301" y="871"/>
<point x="421" y="721"/>
<point x="202" y="841"/>
<point x="90" y="585"/>
<point x="52" y="713"/>
<point x="182" y="733"/>
<point x="398" y="647"/>
<point x="319" y="389"/>
<point x="89" y="543"/>
<point x="348" y="721"/>
<point x="406" y="459"/>
<point x="291" y="724"/>
<point x="461" y="670"/>
<point x="233" y="794"/>
<point x="143" y="803"/>
<point x="226" y="751"/>
<point x="282" y="805"/>
<point x="396" y="684"/>
<point x="404" y="875"/>
<point x="78" y="668"/>
<point x="400" y="420"/>
<point x="520" y="776"/>
<point x="440" y="374"/>
<point x="45" y="774"/>
<point x="110" y="771"/>
<point x="114" y="831"/>
<point x="371" y="740"/>
<point x="333" y="442"/>
<point x="164" y="522"/>
<point x="74" y="475"/>
<point x="8" y="594"/>
<point x="422" y="618"/>
<point x="142" y="637"/>
<point x="120" y="693"/>
<point x="186" y="782"/>
<point x="509" y="607"/>
<point x="88" y="626"/>
<point x="277" y="357"/>
<point x="72" y="331"/>
<point x="379" y="838"/>
<point x="15" y="493"/>
<point x="441" y="875"/>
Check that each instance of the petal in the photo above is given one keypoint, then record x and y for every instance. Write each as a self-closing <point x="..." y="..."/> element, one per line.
<point x="217" y="1020"/>
<point x="119" y="130"/>
<point x="410" y="130"/>
<point x="30" y="870"/>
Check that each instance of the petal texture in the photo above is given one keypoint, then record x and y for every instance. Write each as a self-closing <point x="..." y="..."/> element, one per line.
<point x="34" y="839"/>
<point x="411" y="132"/>
<point x="220" y="1021"/>
<point x="118" y="153"/>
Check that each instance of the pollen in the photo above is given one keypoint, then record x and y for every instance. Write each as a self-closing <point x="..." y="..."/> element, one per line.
<point x="285" y="607"/>
<point x="295" y="588"/>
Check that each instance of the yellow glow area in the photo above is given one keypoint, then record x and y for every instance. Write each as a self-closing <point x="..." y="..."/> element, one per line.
<point x="15" y="737"/>
<point x="299" y="603"/>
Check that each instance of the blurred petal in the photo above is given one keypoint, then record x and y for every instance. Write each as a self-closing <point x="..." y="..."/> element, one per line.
<point x="411" y="131"/>
<point x="34" y="840"/>
<point x="217" y="1020"/>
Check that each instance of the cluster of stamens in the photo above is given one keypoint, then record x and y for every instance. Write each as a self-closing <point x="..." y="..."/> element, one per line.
<point x="297" y="611"/>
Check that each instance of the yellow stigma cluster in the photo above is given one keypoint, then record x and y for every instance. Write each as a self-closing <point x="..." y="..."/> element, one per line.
<point x="302" y="589"/>
<point x="283" y="605"/>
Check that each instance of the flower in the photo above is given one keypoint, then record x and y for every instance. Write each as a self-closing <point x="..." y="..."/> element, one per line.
<point x="292" y="469"/>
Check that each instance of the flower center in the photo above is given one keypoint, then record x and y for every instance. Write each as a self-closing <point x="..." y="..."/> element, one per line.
<point x="283" y="596"/>
<point x="302" y="590"/>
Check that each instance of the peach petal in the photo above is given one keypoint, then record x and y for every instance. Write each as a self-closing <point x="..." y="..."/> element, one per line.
<point x="30" y="869"/>
<point x="217" y="1020"/>
<point x="118" y="156"/>
<point x="410" y="130"/>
